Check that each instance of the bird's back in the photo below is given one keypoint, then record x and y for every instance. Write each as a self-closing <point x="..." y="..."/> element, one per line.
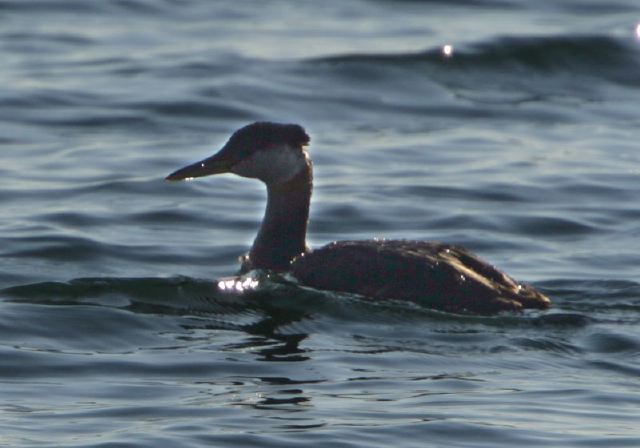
<point x="436" y="275"/>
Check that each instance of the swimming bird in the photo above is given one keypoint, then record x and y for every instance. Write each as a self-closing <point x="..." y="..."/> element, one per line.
<point x="440" y="276"/>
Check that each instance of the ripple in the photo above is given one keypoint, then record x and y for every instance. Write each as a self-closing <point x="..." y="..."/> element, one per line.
<point x="102" y="120"/>
<point x="50" y="6"/>
<point x="73" y="219"/>
<point x="47" y="98"/>
<point x="612" y="343"/>
<point x="549" y="227"/>
<point x="495" y="194"/>
<point x="197" y="108"/>
<point x="548" y="345"/>
<point x="32" y="41"/>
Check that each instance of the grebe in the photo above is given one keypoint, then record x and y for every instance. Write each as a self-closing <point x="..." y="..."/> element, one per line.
<point x="440" y="276"/>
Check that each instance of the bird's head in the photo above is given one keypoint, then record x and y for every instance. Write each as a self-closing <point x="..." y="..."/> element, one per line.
<point x="271" y="152"/>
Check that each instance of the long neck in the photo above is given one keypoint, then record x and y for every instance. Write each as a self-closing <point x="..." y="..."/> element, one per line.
<point x="283" y="232"/>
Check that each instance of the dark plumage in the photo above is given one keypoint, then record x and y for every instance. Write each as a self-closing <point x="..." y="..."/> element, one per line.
<point x="436" y="275"/>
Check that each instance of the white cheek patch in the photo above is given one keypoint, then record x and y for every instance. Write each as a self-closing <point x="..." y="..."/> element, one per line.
<point x="272" y="166"/>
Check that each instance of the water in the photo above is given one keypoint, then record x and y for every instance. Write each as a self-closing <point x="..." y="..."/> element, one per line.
<point x="521" y="145"/>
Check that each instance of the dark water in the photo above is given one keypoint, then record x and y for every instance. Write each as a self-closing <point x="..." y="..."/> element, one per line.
<point x="522" y="145"/>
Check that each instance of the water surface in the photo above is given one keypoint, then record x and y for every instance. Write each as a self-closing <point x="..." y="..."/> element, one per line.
<point x="521" y="145"/>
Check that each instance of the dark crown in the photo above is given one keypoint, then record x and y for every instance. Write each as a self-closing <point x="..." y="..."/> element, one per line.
<point x="265" y="135"/>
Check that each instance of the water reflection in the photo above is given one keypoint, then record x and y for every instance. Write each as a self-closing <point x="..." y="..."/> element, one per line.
<point x="280" y="397"/>
<point x="287" y="350"/>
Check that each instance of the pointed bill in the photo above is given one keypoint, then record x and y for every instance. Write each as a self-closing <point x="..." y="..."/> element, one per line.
<point x="215" y="164"/>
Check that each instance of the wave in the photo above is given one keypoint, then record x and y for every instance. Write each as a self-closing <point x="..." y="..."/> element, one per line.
<point x="592" y="55"/>
<point x="281" y="300"/>
<point x="269" y="305"/>
<point x="79" y="6"/>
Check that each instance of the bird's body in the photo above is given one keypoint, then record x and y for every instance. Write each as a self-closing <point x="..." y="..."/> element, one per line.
<point x="444" y="277"/>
